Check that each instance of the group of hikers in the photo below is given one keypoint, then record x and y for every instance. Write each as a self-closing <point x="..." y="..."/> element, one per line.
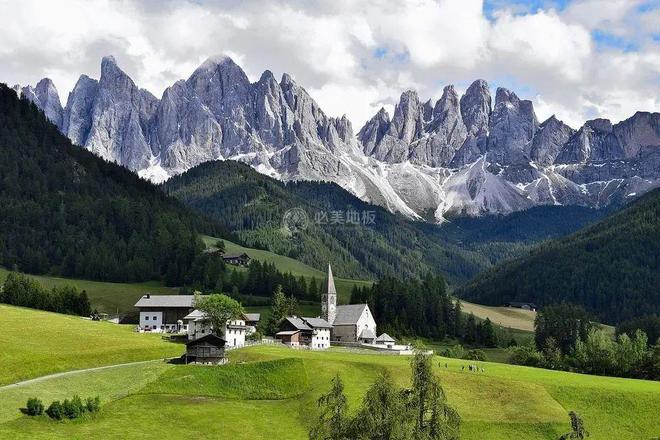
<point x="471" y="367"/>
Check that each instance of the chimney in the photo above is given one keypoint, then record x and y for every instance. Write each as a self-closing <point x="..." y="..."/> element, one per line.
<point x="148" y="295"/>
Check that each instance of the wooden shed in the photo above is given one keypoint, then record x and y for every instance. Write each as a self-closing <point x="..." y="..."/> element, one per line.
<point x="209" y="349"/>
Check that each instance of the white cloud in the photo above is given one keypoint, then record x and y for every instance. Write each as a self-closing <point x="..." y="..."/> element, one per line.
<point x="352" y="56"/>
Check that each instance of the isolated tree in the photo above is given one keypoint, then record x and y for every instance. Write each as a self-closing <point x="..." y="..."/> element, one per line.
<point x="332" y="420"/>
<point x="218" y="309"/>
<point x="220" y="244"/>
<point x="282" y="307"/>
<point x="434" y="418"/>
<point x="384" y="414"/>
<point x="577" y="428"/>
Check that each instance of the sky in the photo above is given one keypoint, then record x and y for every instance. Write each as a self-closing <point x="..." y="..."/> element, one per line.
<point x="577" y="59"/>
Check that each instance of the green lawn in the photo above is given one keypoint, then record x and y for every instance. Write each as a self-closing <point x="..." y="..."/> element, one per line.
<point x="270" y="392"/>
<point x="35" y="343"/>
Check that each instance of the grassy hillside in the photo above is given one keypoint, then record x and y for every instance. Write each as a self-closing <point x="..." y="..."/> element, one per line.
<point x="504" y="402"/>
<point x="35" y="343"/>
<point x="612" y="268"/>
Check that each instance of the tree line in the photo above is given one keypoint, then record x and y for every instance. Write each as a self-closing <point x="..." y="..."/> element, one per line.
<point x="566" y="338"/>
<point x="422" y="308"/>
<point x="21" y="290"/>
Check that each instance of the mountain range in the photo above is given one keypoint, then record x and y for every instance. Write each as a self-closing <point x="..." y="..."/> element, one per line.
<point x="462" y="155"/>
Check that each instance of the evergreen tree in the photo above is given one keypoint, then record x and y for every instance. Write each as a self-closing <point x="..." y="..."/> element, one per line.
<point x="332" y="422"/>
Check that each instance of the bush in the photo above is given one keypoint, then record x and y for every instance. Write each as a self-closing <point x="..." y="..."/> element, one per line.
<point x="35" y="407"/>
<point x="73" y="408"/>
<point x="55" y="411"/>
<point x="93" y="405"/>
<point x="475" y="355"/>
<point x="525" y="355"/>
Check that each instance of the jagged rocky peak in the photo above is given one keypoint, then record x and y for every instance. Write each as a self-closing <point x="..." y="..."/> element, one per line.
<point x="407" y="122"/>
<point x="373" y="131"/>
<point x="639" y="132"/>
<point x="476" y="107"/>
<point x="77" y="119"/>
<point x="44" y="95"/>
<point x="512" y="127"/>
<point x="594" y="141"/>
<point x="427" y="110"/>
<point x="549" y="140"/>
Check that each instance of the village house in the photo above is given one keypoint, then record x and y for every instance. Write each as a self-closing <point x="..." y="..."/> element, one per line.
<point x="310" y="332"/>
<point x="522" y="305"/>
<point x="234" y="332"/>
<point x="164" y="313"/>
<point x="241" y="259"/>
<point x="209" y="349"/>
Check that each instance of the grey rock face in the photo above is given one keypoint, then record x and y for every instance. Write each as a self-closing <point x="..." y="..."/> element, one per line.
<point x="639" y="131"/>
<point x="550" y="140"/>
<point x="446" y="133"/>
<point x="373" y="131"/>
<point x="44" y="95"/>
<point x="512" y="128"/>
<point x="594" y="141"/>
<point x="77" y="120"/>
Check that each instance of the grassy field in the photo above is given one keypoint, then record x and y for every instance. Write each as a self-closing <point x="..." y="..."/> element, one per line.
<point x="503" y="316"/>
<point x="270" y="392"/>
<point x="35" y="343"/>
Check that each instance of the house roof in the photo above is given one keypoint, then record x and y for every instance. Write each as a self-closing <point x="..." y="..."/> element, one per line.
<point x="227" y="256"/>
<point x="298" y="323"/>
<point x="252" y="316"/>
<point x="385" y="338"/>
<point x="367" y="333"/>
<point x="349" y="314"/>
<point x="287" y="333"/>
<point x="180" y="301"/>
<point x="195" y="315"/>
<point x="317" y="322"/>
<point x="210" y="338"/>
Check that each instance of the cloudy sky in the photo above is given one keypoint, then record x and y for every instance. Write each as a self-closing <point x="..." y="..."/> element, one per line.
<point x="578" y="59"/>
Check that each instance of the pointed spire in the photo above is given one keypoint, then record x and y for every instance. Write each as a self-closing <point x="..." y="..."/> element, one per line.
<point x="329" y="286"/>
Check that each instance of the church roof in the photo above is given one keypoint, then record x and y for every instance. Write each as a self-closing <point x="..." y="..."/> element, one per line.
<point x="317" y="322"/>
<point x="329" y="285"/>
<point x="349" y="314"/>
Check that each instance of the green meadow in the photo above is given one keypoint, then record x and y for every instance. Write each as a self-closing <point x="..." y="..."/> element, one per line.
<point x="270" y="392"/>
<point x="35" y="343"/>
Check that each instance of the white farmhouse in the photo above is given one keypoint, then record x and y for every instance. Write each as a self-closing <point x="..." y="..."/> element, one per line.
<point x="234" y="332"/>
<point x="164" y="313"/>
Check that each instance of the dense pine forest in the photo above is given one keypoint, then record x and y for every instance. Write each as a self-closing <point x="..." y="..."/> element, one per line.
<point x="612" y="268"/>
<point x="253" y="206"/>
<point x="66" y="212"/>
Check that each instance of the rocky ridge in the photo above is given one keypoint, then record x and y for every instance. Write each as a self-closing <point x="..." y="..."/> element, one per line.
<point x="461" y="155"/>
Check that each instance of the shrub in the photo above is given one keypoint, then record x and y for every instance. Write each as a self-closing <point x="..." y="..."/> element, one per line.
<point x="35" y="407"/>
<point x="73" y="408"/>
<point x="93" y="404"/>
<point x="475" y="355"/>
<point x="525" y="355"/>
<point x="55" y="411"/>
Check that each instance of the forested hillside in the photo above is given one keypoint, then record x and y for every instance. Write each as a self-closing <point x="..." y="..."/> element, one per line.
<point x="612" y="268"/>
<point x="66" y="212"/>
<point x="253" y="206"/>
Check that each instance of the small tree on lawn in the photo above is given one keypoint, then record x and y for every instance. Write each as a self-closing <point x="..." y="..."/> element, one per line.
<point x="577" y="428"/>
<point x="434" y="418"/>
<point x="220" y="244"/>
<point x="282" y="307"/>
<point x="331" y="423"/>
<point x="218" y="309"/>
<point x="35" y="407"/>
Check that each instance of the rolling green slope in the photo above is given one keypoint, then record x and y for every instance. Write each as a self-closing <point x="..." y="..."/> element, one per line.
<point x="270" y="392"/>
<point x="35" y="343"/>
<point x="612" y="267"/>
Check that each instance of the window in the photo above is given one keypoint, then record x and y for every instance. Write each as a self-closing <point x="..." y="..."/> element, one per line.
<point x="146" y="318"/>
<point x="155" y="318"/>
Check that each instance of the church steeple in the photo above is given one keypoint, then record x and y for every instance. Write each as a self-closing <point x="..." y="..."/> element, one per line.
<point x="329" y="298"/>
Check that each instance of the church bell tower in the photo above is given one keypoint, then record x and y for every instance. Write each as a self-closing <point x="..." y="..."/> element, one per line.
<point x="329" y="298"/>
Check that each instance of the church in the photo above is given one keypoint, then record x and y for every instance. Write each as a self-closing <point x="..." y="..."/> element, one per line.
<point x="351" y="322"/>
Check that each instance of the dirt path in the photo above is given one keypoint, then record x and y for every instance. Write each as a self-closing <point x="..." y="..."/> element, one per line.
<point x="73" y="372"/>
